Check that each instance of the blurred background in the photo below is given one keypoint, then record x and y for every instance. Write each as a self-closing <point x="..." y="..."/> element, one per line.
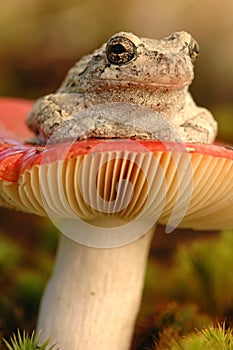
<point x="39" y="41"/>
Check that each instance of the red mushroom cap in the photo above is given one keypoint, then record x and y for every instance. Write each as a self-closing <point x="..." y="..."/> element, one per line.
<point x="192" y="183"/>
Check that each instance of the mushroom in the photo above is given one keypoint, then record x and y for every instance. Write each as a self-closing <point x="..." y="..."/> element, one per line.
<point x="107" y="197"/>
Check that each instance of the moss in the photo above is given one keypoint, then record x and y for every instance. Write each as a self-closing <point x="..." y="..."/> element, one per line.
<point x="202" y="272"/>
<point x="210" y="338"/>
<point x="168" y="318"/>
<point x="25" y="342"/>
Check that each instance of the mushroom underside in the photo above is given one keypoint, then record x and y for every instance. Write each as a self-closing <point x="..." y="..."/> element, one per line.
<point x="185" y="188"/>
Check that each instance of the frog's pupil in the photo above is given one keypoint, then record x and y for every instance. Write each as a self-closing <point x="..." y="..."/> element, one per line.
<point x="118" y="49"/>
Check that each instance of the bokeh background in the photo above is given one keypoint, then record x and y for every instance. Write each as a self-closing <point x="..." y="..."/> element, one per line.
<point x="39" y="41"/>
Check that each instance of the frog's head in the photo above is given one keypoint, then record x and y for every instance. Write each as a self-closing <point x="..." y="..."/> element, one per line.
<point x="129" y="61"/>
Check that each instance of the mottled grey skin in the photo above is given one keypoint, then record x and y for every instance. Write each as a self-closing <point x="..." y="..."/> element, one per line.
<point x="153" y="74"/>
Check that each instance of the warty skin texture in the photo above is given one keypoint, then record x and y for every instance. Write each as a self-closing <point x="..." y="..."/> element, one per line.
<point x="148" y="73"/>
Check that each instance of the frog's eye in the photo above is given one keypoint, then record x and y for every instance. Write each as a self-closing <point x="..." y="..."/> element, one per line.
<point x="120" y="51"/>
<point x="193" y="49"/>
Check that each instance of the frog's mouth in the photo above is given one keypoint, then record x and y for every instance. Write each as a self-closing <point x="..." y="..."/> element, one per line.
<point x="175" y="84"/>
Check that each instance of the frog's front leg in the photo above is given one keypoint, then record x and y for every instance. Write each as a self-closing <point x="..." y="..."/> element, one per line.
<point x="196" y="124"/>
<point x="200" y="128"/>
<point x="51" y="112"/>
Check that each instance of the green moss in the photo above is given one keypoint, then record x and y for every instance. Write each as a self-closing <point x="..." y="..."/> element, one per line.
<point x="25" y="342"/>
<point x="210" y="338"/>
<point x="195" y="289"/>
<point x="169" y="318"/>
<point x="203" y="271"/>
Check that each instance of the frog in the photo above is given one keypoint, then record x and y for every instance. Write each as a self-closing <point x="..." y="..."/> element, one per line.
<point x="130" y="87"/>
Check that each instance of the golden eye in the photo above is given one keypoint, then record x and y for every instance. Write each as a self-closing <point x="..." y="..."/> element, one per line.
<point x="120" y="51"/>
<point x="193" y="49"/>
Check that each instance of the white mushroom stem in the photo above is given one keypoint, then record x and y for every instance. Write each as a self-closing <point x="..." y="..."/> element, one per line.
<point x="93" y="297"/>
